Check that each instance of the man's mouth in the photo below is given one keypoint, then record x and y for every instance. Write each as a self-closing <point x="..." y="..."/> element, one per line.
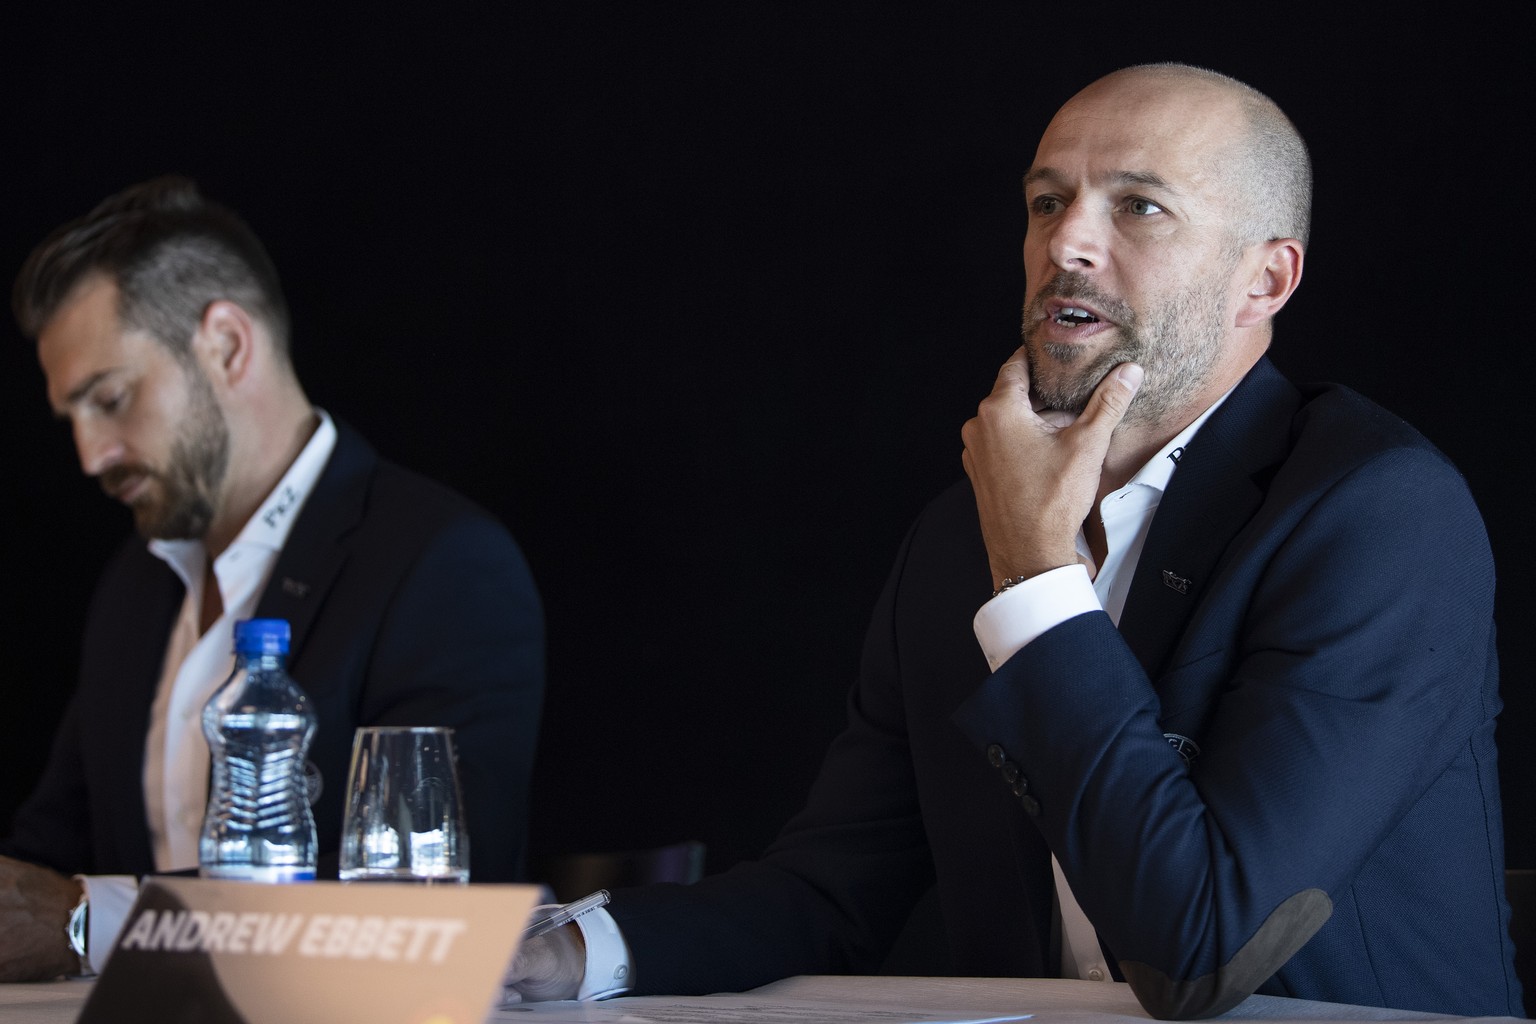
<point x="1074" y="316"/>
<point x="125" y="486"/>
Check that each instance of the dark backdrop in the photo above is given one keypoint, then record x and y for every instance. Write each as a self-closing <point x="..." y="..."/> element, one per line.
<point x="697" y="296"/>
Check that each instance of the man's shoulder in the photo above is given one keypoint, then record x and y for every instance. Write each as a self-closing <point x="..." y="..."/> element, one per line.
<point x="1343" y="447"/>
<point x="1328" y="407"/>
<point x="395" y="497"/>
<point x="954" y="505"/>
<point x="132" y="564"/>
<point x="386" y="523"/>
<point x="425" y="497"/>
<point x="1338" y="429"/>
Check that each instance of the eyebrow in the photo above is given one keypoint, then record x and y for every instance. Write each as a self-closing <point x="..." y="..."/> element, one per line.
<point x="1151" y="179"/>
<point x="84" y="388"/>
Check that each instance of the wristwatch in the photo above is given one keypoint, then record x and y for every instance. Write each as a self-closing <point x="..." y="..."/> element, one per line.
<point x="79" y="918"/>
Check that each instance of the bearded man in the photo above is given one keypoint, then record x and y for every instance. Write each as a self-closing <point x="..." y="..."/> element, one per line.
<point x="163" y="336"/>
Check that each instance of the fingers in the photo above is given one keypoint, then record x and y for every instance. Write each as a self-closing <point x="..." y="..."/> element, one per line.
<point x="1035" y="479"/>
<point x="1007" y="403"/>
<point x="1013" y="375"/>
<point x="1110" y="400"/>
<point x="548" y="966"/>
<point x="34" y="911"/>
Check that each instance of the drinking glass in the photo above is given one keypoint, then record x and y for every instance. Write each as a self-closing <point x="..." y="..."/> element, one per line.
<point x="404" y="819"/>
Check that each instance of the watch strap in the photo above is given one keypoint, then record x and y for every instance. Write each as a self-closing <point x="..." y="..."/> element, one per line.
<point x="78" y="931"/>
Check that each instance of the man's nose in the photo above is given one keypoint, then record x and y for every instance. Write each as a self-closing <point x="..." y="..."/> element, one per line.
<point x="1077" y="240"/>
<point x="99" y="449"/>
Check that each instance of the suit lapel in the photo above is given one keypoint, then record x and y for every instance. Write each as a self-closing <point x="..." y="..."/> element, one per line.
<point x="1214" y="492"/>
<point x="314" y="552"/>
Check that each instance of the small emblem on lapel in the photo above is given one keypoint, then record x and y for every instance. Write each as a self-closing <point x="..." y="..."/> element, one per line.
<point x="298" y="588"/>
<point x="1187" y="748"/>
<point x="1178" y="583"/>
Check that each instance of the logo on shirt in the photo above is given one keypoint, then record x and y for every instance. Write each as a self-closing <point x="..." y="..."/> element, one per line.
<point x="279" y="508"/>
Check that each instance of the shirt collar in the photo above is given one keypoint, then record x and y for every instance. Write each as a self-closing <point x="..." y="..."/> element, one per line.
<point x="268" y="527"/>
<point x="1158" y="470"/>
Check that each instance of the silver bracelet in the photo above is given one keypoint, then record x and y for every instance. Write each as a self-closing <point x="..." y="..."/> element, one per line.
<point x="1009" y="581"/>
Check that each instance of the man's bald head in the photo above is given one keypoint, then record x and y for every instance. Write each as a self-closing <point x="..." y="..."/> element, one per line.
<point x="1269" y="170"/>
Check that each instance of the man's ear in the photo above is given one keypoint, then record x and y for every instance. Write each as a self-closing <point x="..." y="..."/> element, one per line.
<point x="1276" y="275"/>
<point x="225" y="343"/>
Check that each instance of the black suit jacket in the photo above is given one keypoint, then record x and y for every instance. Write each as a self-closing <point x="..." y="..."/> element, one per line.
<point x="1312" y="612"/>
<point x="408" y="606"/>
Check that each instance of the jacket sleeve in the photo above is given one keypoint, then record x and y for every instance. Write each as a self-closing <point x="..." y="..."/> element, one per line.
<point x="53" y="826"/>
<point x="834" y="889"/>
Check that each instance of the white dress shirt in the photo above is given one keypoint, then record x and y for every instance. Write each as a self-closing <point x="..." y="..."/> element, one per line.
<point x="176" y="761"/>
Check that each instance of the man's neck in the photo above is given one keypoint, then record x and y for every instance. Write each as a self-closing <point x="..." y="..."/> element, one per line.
<point x="1131" y="448"/>
<point x="213" y="599"/>
<point x="1134" y="443"/>
<point x="244" y="493"/>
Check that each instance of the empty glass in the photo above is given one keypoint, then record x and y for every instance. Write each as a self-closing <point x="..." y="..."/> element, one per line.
<point x="404" y="820"/>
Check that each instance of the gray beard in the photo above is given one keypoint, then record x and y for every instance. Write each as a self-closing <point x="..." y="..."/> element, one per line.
<point x="1176" y="343"/>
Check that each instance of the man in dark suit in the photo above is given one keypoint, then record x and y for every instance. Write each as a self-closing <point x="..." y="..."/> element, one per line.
<point x="1229" y="724"/>
<point x="163" y="335"/>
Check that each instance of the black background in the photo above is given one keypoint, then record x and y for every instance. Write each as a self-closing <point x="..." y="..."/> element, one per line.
<point x="697" y="296"/>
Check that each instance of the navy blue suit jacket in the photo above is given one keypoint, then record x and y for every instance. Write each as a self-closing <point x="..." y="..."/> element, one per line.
<point x="1312" y="612"/>
<point x="408" y="605"/>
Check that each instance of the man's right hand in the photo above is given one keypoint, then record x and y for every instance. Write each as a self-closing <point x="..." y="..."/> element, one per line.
<point x="1036" y="475"/>
<point x="35" y="904"/>
<point x="548" y="966"/>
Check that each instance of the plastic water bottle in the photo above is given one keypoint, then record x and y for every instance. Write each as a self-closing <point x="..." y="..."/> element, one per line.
<point x="259" y="725"/>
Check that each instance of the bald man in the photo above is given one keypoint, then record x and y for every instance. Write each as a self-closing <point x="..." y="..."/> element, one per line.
<point x="1192" y="682"/>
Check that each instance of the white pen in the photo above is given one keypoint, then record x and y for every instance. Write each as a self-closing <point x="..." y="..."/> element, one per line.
<point x="565" y="914"/>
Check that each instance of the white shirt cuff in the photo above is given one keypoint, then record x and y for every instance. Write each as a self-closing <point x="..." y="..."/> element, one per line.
<point x="607" y="956"/>
<point x="111" y="898"/>
<point x="1026" y="610"/>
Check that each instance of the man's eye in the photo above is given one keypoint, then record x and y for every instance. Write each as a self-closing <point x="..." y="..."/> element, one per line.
<point x="1142" y="207"/>
<point x="1045" y="205"/>
<point x="111" y="401"/>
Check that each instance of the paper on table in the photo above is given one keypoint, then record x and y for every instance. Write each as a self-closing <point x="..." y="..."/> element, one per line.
<point x="727" y="1009"/>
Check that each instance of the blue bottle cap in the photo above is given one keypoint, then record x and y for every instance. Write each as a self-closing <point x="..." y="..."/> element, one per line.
<point x="261" y="636"/>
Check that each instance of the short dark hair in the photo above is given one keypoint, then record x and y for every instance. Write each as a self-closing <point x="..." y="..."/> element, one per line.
<point x="170" y="251"/>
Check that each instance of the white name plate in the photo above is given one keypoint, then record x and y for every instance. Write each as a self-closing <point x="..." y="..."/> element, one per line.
<point x="244" y="953"/>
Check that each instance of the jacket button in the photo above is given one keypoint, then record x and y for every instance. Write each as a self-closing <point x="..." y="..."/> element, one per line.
<point x="1020" y="787"/>
<point x="1010" y="772"/>
<point x="995" y="756"/>
<point x="1031" y="805"/>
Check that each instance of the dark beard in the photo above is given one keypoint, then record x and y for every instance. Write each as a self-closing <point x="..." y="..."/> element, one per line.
<point x="178" y="504"/>
<point x="197" y="467"/>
